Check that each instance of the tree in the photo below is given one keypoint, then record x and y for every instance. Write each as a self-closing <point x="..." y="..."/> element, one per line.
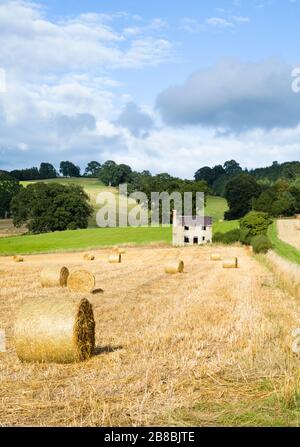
<point x="232" y="168"/>
<point x="261" y="243"/>
<point x="9" y="187"/>
<point x="68" y="169"/>
<point x="51" y="207"/>
<point x="284" y="205"/>
<point x="254" y="224"/>
<point x="240" y="192"/>
<point x="209" y="175"/>
<point x="26" y="174"/>
<point x="265" y="201"/>
<point x="206" y="173"/>
<point x="113" y="174"/>
<point x="92" y="169"/>
<point x="47" y="170"/>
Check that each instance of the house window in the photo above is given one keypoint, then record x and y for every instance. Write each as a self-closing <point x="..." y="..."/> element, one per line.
<point x="196" y="240"/>
<point x="203" y="238"/>
<point x="204" y="228"/>
<point x="186" y="228"/>
<point x="186" y="240"/>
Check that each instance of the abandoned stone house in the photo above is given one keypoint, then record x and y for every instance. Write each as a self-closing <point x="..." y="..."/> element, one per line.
<point x="191" y="230"/>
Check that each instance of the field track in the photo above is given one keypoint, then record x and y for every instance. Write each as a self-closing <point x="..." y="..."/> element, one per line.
<point x="165" y="344"/>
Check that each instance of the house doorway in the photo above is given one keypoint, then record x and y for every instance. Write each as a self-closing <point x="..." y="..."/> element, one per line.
<point x="196" y="240"/>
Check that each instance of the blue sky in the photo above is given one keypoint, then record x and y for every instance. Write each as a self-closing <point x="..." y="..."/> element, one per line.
<point x="161" y="85"/>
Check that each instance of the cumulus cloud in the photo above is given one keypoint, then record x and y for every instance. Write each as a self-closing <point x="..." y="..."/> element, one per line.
<point x="234" y="95"/>
<point x="61" y="97"/>
<point x="33" y="43"/>
<point x="135" y="120"/>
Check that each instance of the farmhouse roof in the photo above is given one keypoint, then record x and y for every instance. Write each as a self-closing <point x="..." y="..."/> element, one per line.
<point x="194" y="221"/>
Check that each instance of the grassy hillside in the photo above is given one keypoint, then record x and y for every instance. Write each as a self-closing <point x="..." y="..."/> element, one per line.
<point x="216" y="207"/>
<point x="95" y="237"/>
<point x="282" y="248"/>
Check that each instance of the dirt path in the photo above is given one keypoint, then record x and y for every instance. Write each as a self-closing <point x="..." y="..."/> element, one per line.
<point x="165" y="343"/>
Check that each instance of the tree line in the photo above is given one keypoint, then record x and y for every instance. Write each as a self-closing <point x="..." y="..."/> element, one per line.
<point x="274" y="190"/>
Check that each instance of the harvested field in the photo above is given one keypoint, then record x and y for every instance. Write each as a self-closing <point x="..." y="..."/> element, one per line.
<point x="288" y="231"/>
<point x="7" y="228"/>
<point x="206" y="347"/>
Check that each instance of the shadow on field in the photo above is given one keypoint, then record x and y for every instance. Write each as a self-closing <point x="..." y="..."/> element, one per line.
<point x="99" y="350"/>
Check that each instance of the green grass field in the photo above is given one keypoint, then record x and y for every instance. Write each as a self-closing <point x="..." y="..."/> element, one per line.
<point x="83" y="239"/>
<point x="216" y="207"/>
<point x="282" y="248"/>
<point x="95" y="237"/>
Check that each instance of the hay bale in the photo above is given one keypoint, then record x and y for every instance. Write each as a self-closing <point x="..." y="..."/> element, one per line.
<point x="18" y="259"/>
<point x="120" y="251"/>
<point x="115" y="258"/>
<point x="54" y="277"/>
<point x="230" y="263"/>
<point x="88" y="257"/>
<point x="55" y="330"/>
<point x="215" y="257"/>
<point x="174" y="266"/>
<point x="81" y="281"/>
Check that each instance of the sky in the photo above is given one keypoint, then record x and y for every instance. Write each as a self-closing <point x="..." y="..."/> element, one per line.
<point x="168" y="86"/>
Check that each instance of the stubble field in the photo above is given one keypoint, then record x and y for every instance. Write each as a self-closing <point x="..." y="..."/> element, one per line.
<point x="208" y="347"/>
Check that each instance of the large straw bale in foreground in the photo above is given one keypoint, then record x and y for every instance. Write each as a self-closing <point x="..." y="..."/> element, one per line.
<point x="174" y="266"/>
<point x="18" y="259"/>
<point x="215" y="257"/>
<point x="54" y="276"/>
<point x="115" y="258"/>
<point x="81" y="281"/>
<point x="230" y="263"/>
<point x="89" y="257"/>
<point x="55" y="330"/>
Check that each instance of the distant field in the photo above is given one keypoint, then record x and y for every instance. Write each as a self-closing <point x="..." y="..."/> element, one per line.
<point x="83" y="239"/>
<point x="226" y="225"/>
<point x="283" y="249"/>
<point x="216" y="207"/>
<point x="92" y="238"/>
<point x="95" y="237"/>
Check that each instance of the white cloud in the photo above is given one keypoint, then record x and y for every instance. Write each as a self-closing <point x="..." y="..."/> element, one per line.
<point x="218" y="22"/>
<point x="31" y="43"/>
<point x="212" y="23"/>
<point x="234" y="95"/>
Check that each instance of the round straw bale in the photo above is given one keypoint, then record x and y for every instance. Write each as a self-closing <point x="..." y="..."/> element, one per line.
<point x="55" y="330"/>
<point x="215" y="257"/>
<point x="174" y="266"/>
<point x="89" y="257"/>
<point x="81" y="281"/>
<point x="54" y="277"/>
<point x="115" y="258"/>
<point x="18" y="259"/>
<point x="230" y="263"/>
<point x="119" y="250"/>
